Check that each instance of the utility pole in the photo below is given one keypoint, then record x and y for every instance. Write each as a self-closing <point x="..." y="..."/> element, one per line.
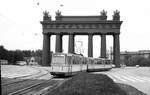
<point x="79" y="45"/>
<point x="111" y="53"/>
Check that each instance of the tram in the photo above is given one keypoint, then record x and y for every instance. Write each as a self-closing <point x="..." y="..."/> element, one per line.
<point x="98" y="64"/>
<point x="63" y="64"/>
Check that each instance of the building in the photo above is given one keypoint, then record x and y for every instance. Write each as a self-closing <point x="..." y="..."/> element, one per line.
<point x="3" y="62"/>
<point x="32" y="60"/>
<point x="127" y="56"/>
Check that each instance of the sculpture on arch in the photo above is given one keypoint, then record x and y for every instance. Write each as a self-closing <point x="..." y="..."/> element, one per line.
<point x="103" y="15"/>
<point x="116" y="15"/>
<point x="46" y="16"/>
<point x="58" y="13"/>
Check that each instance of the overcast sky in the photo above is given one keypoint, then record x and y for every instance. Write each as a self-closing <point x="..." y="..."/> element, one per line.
<point x="20" y="26"/>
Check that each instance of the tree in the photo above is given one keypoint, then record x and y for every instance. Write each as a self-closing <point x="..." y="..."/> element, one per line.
<point x="26" y="53"/>
<point x="3" y="53"/>
<point x="19" y="55"/>
<point x="139" y="60"/>
<point x="127" y="60"/>
<point x="38" y="53"/>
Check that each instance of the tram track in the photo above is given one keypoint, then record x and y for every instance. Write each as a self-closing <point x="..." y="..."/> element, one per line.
<point x="40" y="88"/>
<point x="37" y="84"/>
<point x="21" y="83"/>
<point x="25" y="78"/>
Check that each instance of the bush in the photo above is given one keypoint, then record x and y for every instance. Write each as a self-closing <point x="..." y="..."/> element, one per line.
<point x="142" y="61"/>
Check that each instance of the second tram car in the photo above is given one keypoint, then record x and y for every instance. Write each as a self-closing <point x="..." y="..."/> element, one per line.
<point x="70" y="64"/>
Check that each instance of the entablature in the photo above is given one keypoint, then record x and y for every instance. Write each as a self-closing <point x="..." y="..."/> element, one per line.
<point x="81" y="31"/>
<point x="82" y="25"/>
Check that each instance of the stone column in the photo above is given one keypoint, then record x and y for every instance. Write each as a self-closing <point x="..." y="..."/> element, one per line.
<point x="90" y="45"/>
<point x="116" y="50"/>
<point x="103" y="46"/>
<point x="58" y="46"/>
<point x="46" y="50"/>
<point x="71" y="44"/>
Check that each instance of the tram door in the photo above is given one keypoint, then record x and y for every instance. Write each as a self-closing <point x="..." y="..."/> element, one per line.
<point x="69" y="60"/>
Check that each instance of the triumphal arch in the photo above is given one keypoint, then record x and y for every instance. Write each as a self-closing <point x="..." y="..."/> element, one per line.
<point x="81" y="25"/>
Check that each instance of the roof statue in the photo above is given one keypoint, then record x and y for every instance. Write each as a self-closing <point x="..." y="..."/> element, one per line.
<point x="58" y="13"/>
<point x="116" y="15"/>
<point x="103" y="15"/>
<point x="46" y="15"/>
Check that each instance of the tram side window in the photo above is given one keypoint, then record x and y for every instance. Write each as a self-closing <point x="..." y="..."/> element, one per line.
<point x="92" y="61"/>
<point x="84" y="60"/>
<point x="69" y="59"/>
<point x="100" y="62"/>
<point x="95" y="61"/>
<point x="75" y="60"/>
<point x="80" y="61"/>
<point x="107" y="62"/>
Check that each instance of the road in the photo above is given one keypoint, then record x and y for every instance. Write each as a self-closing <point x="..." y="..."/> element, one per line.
<point x="136" y="77"/>
<point x="15" y="78"/>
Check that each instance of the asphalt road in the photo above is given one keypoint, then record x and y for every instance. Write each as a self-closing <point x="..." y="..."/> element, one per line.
<point x="136" y="77"/>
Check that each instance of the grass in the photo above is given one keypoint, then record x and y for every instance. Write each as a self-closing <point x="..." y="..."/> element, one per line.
<point x="89" y="84"/>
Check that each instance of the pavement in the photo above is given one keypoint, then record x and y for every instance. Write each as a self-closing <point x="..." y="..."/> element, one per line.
<point x="136" y="77"/>
<point x="13" y="71"/>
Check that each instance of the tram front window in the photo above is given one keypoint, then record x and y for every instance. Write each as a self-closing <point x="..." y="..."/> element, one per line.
<point x="58" y="59"/>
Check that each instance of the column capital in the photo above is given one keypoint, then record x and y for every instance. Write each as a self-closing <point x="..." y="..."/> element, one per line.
<point x="116" y="34"/>
<point x="59" y="33"/>
<point x="90" y="34"/>
<point x="72" y="34"/>
<point x="48" y="34"/>
<point x="103" y="34"/>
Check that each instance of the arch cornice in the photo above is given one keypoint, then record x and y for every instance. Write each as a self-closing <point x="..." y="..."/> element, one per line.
<point x="81" y="25"/>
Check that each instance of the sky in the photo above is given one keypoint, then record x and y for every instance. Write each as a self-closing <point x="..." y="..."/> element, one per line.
<point x="20" y="26"/>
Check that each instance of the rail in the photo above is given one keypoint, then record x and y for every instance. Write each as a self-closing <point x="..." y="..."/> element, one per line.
<point x="24" y="78"/>
<point x="40" y="88"/>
